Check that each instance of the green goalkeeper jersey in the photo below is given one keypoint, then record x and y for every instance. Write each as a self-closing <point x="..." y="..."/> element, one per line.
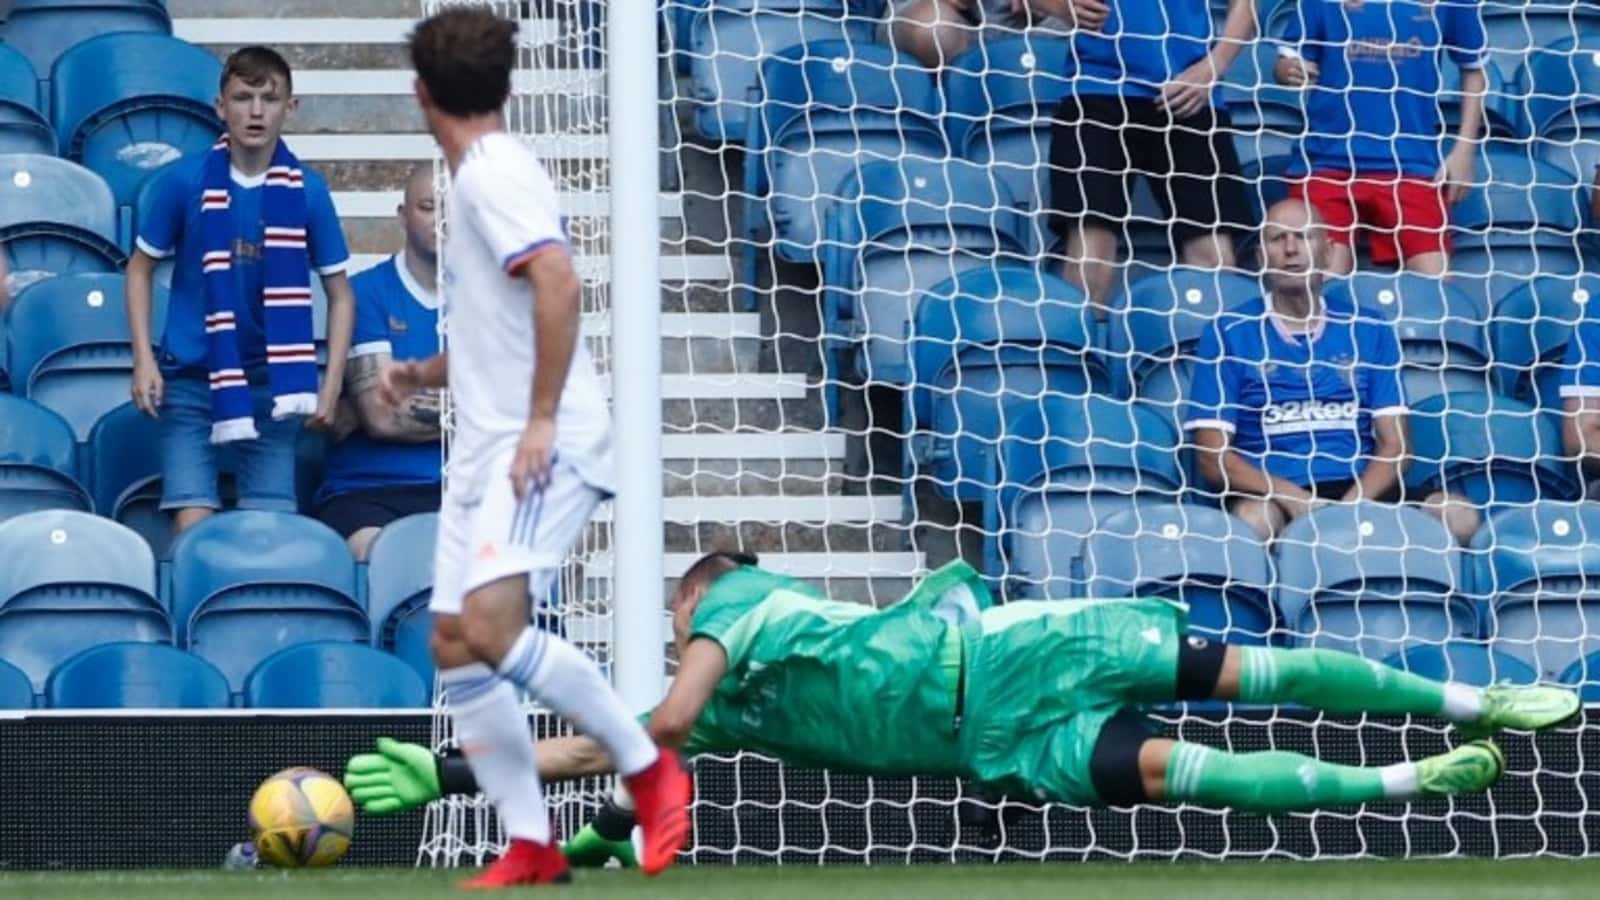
<point x="818" y="682"/>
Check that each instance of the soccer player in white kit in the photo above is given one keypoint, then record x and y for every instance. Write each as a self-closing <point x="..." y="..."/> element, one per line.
<point x="525" y="472"/>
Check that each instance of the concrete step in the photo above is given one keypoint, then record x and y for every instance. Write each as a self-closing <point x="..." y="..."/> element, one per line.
<point x="754" y="477"/>
<point x="808" y="445"/>
<point x="820" y="566"/>
<point x="593" y="268"/>
<point x="586" y="204"/>
<point x="292" y="9"/>
<point x="774" y="508"/>
<point x="412" y="147"/>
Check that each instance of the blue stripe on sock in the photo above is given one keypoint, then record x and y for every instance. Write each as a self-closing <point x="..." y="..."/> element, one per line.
<point x="468" y="690"/>
<point x="521" y="669"/>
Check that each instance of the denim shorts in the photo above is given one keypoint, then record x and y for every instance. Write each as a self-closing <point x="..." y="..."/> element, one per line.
<point x="190" y="463"/>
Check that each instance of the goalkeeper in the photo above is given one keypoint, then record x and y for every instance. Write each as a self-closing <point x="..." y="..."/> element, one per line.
<point x="1035" y="699"/>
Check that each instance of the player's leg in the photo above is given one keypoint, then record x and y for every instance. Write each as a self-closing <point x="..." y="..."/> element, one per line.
<point x="1264" y="517"/>
<point x="1458" y="514"/>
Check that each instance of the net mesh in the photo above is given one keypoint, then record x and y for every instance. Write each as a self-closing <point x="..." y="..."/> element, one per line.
<point x="879" y="357"/>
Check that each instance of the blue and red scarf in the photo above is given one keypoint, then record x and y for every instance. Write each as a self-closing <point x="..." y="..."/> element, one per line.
<point x="285" y="297"/>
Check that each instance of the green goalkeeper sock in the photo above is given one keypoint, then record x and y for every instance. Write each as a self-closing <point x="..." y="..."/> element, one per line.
<point x="1277" y="781"/>
<point x="1342" y="683"/>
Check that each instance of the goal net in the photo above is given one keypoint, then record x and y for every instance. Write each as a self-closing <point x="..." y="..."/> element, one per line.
<point x="879" y="355"/>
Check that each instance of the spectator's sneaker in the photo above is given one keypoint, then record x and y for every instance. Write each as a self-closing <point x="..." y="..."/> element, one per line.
<point x="1523" y="708"/>
<point x="1467" y="769"/>
<point x="525" y="863"/>
<point x="661" y="806"/>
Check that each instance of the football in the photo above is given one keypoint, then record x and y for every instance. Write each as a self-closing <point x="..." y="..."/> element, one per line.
<point x="301" y="818"/>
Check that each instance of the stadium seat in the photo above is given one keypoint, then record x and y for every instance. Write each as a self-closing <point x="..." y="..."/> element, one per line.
<point x="1371" y="578"/>
<point x="729" y="39"/>
<point x="1563" y="103"/>
<point x="45" y="29"/>
<point x="980" y="342"/>
<point x="1000" y="103"/>
<point x="828" y="108"/>
<point x="1515" y="29"/>
<point x="1067" y="465"/>
<point x="23" y="127"/>
<point x="128" y="675"/>
<point x="900" y="229"/>
<point x="1266" y="181"/>
<point x="1490" y="449"/>
<point x="1467" y="662"/>
<point x="122" y="117"/>
<point x="334" y="675"/>
<point x="72" y="580"/>
<point x="69" y="347"/>
<point x="247" y="584"/>
<point x="1266" y="119"/>
<point x="1503" y="116"/>
<point x="38" y="460"/>
<point x="56" y="218"/>
<point x="1157" y="322"/>
<point x="399" y="584"/>
<point x="1585" y="676"/>
<point x="1520" y="220"/>
<point x="16" y="690"/>
<point x="1442" y="341"/>
<point x="1529" y="333"/>
<point x="1197" y="555"/>
<point x="1538" y="569"/>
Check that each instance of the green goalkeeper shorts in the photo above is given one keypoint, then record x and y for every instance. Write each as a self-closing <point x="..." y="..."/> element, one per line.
<point x="1043" y="678"/>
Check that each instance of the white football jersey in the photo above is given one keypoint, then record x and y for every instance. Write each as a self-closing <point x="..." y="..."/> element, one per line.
<point x="502" y="210"/>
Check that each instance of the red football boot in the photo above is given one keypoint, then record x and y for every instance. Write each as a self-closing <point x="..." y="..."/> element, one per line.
<point x="525" y="863"/>
<point x="661" y="806"/>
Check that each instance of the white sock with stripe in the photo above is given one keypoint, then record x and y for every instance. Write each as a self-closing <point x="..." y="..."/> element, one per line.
<point x="569" y="682"/>
<point x="497" y="742"/>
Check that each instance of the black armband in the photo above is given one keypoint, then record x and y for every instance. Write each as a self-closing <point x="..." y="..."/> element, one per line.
<point x="455" y="775"/>
<point x="613" y="822"/>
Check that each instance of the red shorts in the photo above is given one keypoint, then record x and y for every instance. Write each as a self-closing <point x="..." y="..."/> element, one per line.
<point x="1401" y="216"/>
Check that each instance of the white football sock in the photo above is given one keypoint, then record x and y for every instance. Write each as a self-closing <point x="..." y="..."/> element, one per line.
<point x="1399" y="781"/>
<point x="497" y="742"/>
<point x="570" y="683"/>
<point x="1462" y="703"/>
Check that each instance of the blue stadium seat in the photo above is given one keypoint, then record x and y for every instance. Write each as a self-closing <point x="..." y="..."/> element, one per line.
<point x="1490" y="449"/>
<point x="1372" y="579"/>
<point x="1001" y="98"/>
<point x="1503" y="115"/>
<point x="1267" y="119"/>
<point x="1441" y="330"/>
<point x="1066" y="466"/>
<point x="123" y="117"/>
<point x="129" y="675"/>
<point x="1585" y="676"/>
<point x="1198" y="555"/>
<point x="56" y="218"/>
<point x="16" y="690"/>
<point x="38" y="460"/>
<point x="334" y="675"/>
<point x="1467" y="662"/>
<point x="1520" y="220"/>
<point x="23" y="127"/>
<point x="127" y="486"/>
<point x="247" y="584"/>
<point x="979" y="342"/>
<point x="45" y="29"/>
<point x="399" y="584"/>
<point x="1563" y="103"/>
<point x="1266" y="181"/>
<point x="899" y="229"/>
<point x="69" y="346"/>
<point x="1538" y="568"/>
<point x="1157" y="323"/>
<point x="71" y="581"/>
<point x="729" y="39"/>
<point x="1515" y="29"/>
<point x="1529" y="333"/>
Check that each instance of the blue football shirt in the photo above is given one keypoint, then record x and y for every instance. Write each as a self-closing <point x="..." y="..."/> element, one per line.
<point x="1142" y="45"/>
<point x="397" y="316"/>
<point x="169" y="225"/>
<point x="1299" y="407"/>
<point x="1375" y="108"/>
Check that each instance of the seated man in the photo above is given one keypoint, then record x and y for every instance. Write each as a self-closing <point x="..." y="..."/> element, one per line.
<point x="937" y="31"/>
<point x="1580" y="396"/>
<point x="1296" y="402"/>
<point x="1032" y="699"/>
<point x="384" y="464"/>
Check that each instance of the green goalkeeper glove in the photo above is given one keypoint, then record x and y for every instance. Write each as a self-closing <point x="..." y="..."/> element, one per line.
<point x="398" y="777"/>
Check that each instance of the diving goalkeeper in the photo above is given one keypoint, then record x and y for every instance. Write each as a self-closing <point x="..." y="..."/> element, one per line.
<point x="1034" y="699"/>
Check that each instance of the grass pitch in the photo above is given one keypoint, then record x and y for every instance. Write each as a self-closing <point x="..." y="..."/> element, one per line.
<point x="1430" y="880"/>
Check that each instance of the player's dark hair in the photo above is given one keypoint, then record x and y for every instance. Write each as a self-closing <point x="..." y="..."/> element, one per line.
<point x="465" y="56"/>
<point x="255" y="65"/>
<point x="717" y="563"/>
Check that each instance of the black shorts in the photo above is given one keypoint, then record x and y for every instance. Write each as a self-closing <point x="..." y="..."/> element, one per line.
<point x="1100" y="142"/>
<point x="1335" y="490"/>
<point x="377" y="507"/>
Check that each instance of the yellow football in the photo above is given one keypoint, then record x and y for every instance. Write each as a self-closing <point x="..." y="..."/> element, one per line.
<point x="301" y="818"/>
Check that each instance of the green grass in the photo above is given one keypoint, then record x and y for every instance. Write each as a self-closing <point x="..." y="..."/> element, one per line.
<point x="1443" y="879"/>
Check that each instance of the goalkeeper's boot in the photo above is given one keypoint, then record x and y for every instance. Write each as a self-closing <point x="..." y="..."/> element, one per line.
<point x="1524" y="708"/>
<point x="525" y="863"/>
<point x="661" y="804"/>
<point x="1467" y="769"/>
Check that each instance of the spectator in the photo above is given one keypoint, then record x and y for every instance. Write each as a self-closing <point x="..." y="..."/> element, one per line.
<point x="1297" y="402"/>
<point x="937" y="31"/>
<point x="237" y="363"/>
<point x="5" y="280"/>
<point x="1580" y="394"/>
<point x="384" y="464"/>
<point x="1373" y="146"/>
